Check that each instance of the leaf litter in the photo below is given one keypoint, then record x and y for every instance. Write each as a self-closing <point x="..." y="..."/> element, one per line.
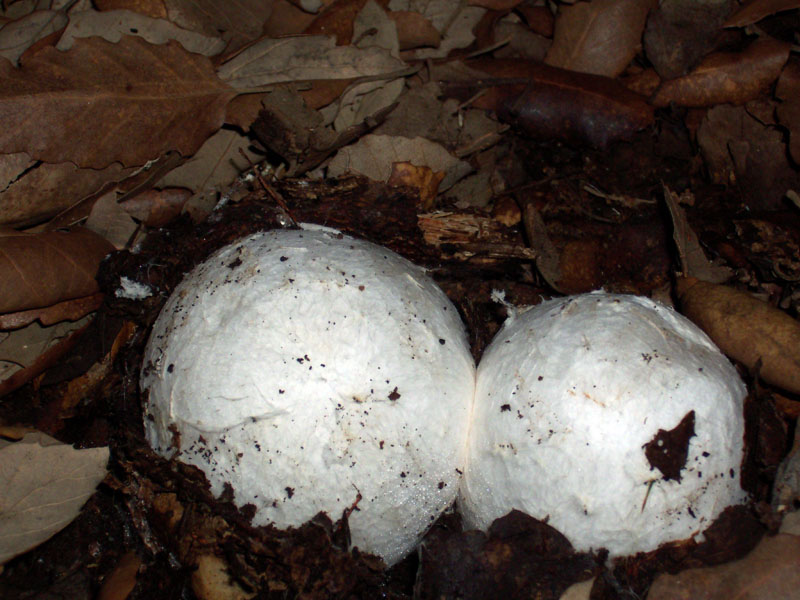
<point x="509" y="146"/>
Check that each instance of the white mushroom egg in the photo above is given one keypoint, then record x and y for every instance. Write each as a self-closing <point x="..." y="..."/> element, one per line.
<point x="314" y="372"/>
<point x="612" y="417"/>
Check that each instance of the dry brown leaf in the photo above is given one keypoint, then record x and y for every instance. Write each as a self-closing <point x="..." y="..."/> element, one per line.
<point x="556" y="103"/>
<point x="214" y="167"/>
<point x="538" y="18"/>
<point x="112" y="25"/>
<point x="111" y="221"/>
<point x="788" y="90"/>
<point x="337" y="20"/>
<point x="414" y="30"/>
<point x="34" y="192"/>
<point x="726" y="77"/>
<point x="680" y="33"/>
<point x="237" y="22"/>
<point x="150" y="8"/>
<point x="755" y="10"/>
<point x="599" y="37"/>
<point x="746" y="329"/>
<point x="693" y="260"/>
<point x="17" y="36"/>
<point x="101" y="103"/>
<point x="120" y="583"/>
<point x="547" y="257"/>
<point x="302" y="59"/>
<point x="45" y="484"/>
<point x="69" y="310"/>
<point x="28" y="352"/>
<point x="156" y="208"/>
<point x="423" y="179"/>
<point x="495" y="4"/>
<point x="770" y="572"/>
<point x="286" y="19"/>
<point x="373" y="156"/>
<point x="740" y="151"/>
<point x="45" y="268"/>
<point x="454" y="23"/>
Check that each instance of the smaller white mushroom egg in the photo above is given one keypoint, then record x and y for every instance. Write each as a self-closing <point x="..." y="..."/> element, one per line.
<point x="314" y="372"/>
<point x="612" y="417"/>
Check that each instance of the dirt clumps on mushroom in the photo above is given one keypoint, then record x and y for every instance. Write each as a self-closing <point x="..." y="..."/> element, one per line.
<point x="311" y="371"/>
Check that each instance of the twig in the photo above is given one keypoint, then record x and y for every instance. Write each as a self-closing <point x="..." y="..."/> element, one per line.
<point x="270" y="190"/>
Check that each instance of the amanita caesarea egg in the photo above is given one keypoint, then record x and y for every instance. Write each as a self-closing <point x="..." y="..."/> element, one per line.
<point x="315" y="372"/>
<point x="611" y="416"/>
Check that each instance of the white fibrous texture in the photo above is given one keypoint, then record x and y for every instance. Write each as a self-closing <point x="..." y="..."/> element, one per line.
<point x="611" y="416"/>
<point x="307" y="370"/>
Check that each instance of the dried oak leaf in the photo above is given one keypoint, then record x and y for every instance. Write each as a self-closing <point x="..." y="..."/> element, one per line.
<point x="746" y="329"/>
<point x="44" y="485"/>
<point x="548" y="102"/>
<point x="727" y="77"/>
<point x="599" y="37"/>
<point x="755" y="10"/>
<point x="100" y="103"/>
<point x="414" y="30"/>
<point x="237" y="22"/>
<point x="32" y="191"/>
<point x="771" y="570"/>
<point x="19" y="35"/>
<point x="41" y="269"/>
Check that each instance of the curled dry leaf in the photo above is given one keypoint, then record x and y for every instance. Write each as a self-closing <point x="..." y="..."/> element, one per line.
<point x="45" y="484"/>
<point x="599" y="37"/>
<point x="156" y="208"/>
<point x="112" y="25"/>
<point x="42" y="269"/>
<point x="101" y="103"/>
<point x="547" y="102"/>
<point x="69" y="310"/>
<point x="755" y="10"/>
<point x="337" y="20"/>
<point x="749" y="330"/>
<point x="35" y="192"/>
<point x="423" y="179"/>
<point x="373" y="156"/>
<point x="771" y="571"/>
<point x="17" y="36"/>
<point x="727" y="77"/>
<point x="150" y="8"/>
<point x="414" y="30"/>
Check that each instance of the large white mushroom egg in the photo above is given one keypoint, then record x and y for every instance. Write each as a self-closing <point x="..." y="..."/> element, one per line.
<point x="314" y="372"/>
<point x="612" y="417"/>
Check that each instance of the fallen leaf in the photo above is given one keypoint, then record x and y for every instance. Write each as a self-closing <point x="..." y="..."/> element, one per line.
<point x="495" y="4"/>
<point x="547" y="258"/>
<point x="538" y="18"/>
<point x="286" y="19"/>
<point x="113" y="25"/>
<point x="156" y="208"/>
<point x="373" y="156"/>
<point x="680" y="33"/>
<point x="301" y="59"/>
<point x="237" y="22"/>
<point x="149" y="8"/>
<point x="693" y="260"/>
<point x="423" y="179"/>
<point x="120" y="583"/>
<point x="414" y="30"/>
<point x="746" y="329"/>
<point x="215" y="166"/>
<point x="755" y="10"/>
<point x="740" y="151"/>
<point x="17" y="36"/>
<point x="34" y="192"/>
<point x="454" y="22"/>
<point x="727" y="77"/>
<point x="556" y="103"/>
<point x="45" y="484"/>
<point x="599" y="37"/>
<point x="786" y="487"/>
<point x="28" y="352"/>
<point x="101" y="103"/>
<point x="45" y="268"/>
<point x="770" y="572"/>
<point x="111" y="221"/>
<point x="337" y="20"/>
<point x="788" y="90"/>
<point x="69" y="310"/>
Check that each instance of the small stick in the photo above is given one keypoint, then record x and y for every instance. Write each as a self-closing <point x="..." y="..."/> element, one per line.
<point x="270" y="190"/>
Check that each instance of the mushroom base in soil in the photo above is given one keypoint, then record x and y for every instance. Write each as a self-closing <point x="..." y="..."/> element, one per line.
<point x="315" y="372"/>
<point x="612" y="417"/>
